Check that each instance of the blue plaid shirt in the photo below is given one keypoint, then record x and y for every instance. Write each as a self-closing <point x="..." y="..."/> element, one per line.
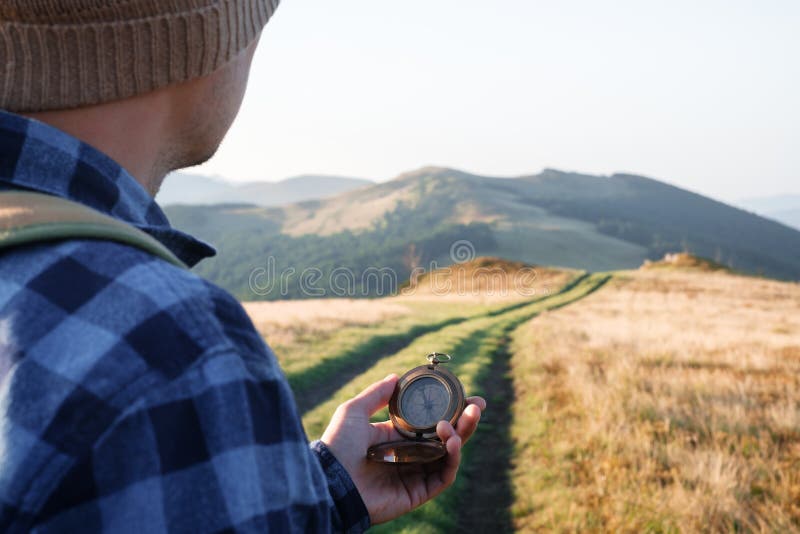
<point x="135" y="396"/>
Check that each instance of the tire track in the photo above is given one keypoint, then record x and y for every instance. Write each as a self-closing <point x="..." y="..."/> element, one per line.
<point x="485" y="505"/>
<point x="485" y="501"/>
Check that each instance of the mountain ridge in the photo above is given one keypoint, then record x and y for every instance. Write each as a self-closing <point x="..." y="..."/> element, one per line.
<point x="556" y="218"/>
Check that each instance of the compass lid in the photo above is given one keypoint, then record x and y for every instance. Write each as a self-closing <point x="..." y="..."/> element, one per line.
<point x="407" y="451"/>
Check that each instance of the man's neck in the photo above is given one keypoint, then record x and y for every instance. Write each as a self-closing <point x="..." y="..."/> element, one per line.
<point x="134" y="132"/>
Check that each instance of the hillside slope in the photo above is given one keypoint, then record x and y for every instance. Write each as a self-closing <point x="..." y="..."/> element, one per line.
<point x="552" y="218"/>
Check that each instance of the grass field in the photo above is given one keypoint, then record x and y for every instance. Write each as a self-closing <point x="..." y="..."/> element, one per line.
<point x="661" y="400"/>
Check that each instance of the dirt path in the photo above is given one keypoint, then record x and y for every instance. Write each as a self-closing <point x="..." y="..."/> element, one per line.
<point x="487" y="499"/>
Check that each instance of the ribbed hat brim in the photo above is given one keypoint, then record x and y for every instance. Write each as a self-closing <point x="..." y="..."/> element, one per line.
<point x="60" y="66"/>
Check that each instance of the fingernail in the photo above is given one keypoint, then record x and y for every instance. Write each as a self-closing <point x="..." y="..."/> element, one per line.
<point x="388" y="377"/>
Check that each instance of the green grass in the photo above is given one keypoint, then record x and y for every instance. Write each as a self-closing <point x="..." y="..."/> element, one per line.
<point x="314" y="350"/>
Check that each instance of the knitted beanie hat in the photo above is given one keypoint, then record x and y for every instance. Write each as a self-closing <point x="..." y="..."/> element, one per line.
<point x="59" y="54"/>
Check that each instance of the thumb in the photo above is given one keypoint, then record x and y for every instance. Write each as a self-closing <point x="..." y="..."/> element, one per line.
<point x="374" y="397"/>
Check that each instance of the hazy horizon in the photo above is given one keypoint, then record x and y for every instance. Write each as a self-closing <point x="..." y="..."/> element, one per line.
<point x="792" y="196"/>
<point x="699" y="96"/>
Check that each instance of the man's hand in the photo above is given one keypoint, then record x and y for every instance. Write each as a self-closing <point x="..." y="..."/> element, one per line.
<point x="389" y="490"/>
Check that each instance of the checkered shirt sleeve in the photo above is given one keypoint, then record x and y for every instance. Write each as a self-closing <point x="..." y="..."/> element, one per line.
<point x="137" y="397"/>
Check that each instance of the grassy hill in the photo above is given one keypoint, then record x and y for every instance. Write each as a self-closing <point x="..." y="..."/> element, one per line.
<point x="553" y="218"/>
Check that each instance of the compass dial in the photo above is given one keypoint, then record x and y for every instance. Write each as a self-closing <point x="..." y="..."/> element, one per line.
<point x="425" y="402"/>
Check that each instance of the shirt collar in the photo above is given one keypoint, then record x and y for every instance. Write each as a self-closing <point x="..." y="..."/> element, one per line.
<point x="38" y="157"/>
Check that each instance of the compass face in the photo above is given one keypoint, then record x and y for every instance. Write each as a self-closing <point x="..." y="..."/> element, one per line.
<point x="425" y="402"/>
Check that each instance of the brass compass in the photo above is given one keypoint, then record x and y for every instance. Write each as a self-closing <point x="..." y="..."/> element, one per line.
<point x="423" y="396"/>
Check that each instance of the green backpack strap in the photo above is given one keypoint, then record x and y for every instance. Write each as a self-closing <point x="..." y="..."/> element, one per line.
<point x="27" y="218"/>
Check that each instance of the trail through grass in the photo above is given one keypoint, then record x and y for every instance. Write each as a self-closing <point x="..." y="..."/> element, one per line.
<point x="352" y="351"/>
<point x="473" y="343"/>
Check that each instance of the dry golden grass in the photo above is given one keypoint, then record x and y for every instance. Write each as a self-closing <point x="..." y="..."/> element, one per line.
<point x="281" y="322"/>
<point x="471" y="287"/>
<point x="668" y="401"/>
<point x="685" y="261"/>
<point x="487" y="280"/>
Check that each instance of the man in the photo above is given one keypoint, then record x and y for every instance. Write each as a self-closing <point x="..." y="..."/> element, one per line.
<point x="135" y="396"/>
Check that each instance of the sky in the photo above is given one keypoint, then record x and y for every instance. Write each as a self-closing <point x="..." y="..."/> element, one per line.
<point x="703" y="95"/>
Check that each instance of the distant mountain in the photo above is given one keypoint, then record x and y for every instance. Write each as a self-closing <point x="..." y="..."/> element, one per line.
<point x="787" y="217"/>
<point x="771" y="203"/>
<point x="185" y="188"/>
<point x="444" y="215"/>
<point x="782" y="208"/>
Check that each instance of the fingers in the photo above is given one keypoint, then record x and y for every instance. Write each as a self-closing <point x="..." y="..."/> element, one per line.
<point x="426" y="481"/>
<point x="468" y="422"/>
<point x="452" y="441"/>
<point x="374" y="397"/>
<point x="480" y="402"/>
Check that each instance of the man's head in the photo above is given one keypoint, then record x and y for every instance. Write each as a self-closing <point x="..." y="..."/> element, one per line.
<point x="155" y="84"/>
